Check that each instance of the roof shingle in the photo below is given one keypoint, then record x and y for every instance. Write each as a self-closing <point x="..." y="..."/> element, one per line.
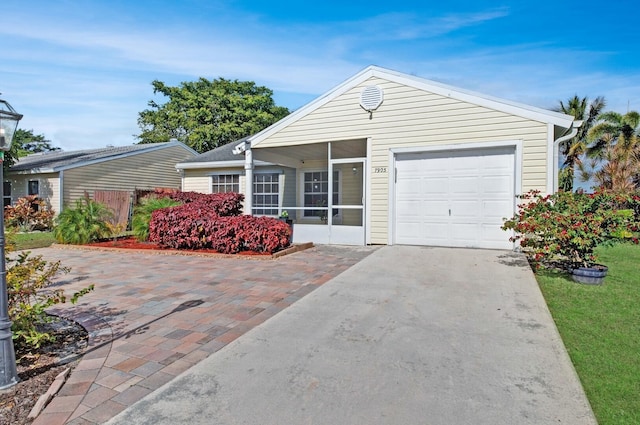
<point x="55" y="160"/>
<point x="220" y="154"/>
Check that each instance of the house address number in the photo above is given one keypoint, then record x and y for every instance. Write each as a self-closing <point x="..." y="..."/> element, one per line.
<point x="380" y="169"/>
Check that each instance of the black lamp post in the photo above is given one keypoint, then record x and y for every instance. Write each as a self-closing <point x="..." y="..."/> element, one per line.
<point x="8" y="373"/>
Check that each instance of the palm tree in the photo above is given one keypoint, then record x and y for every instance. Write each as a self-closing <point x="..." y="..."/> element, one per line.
<point x="618" y="166"/>
<point x="615" y="152"/>
<point x="610" y="126"/>
<point x="574" y="148"/>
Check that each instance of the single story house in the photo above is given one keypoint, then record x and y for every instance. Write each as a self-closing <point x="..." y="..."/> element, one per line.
<point x="60" y="178"/>
<point x="390" y="158"/>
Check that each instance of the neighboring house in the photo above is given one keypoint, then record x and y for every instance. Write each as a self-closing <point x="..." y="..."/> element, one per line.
<point x="390" y="158"/>
<point x="60" y="177"/>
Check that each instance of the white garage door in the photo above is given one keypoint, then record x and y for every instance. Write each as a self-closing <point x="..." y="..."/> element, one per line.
<point x="455" y="198"/>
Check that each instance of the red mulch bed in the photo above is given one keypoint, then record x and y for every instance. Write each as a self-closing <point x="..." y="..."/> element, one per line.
<point x="132" y="243"/>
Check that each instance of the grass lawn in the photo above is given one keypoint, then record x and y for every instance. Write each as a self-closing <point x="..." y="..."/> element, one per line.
<point x="600" y="326"/>
<point x="33" y="240"/>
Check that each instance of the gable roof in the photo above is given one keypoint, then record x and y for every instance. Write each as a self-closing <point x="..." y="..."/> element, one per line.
<point x="519" y="109"/>
<point x="54" y="161"/>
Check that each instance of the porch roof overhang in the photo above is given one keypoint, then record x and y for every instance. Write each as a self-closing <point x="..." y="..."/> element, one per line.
<point x="219" y="164"/>
<point x="295" y="155"/>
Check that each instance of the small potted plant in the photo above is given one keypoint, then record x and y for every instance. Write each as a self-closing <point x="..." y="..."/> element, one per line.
<point x="284" y="216"/>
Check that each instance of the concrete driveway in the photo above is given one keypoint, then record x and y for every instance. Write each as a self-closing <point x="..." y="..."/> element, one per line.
<point x="408" y="335"/>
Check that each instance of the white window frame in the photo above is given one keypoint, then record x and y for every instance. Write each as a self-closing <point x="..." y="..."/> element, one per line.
<point x="29" y="187"/>
<point x="225" y="184"/>
<point x="259" y="209"/>
<point x="303" y="192"/>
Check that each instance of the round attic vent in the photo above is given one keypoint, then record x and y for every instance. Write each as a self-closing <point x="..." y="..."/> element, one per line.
<point x="371" y="98"/>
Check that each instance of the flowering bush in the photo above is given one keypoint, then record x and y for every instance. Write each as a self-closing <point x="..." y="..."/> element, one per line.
<point x="565" y="228"/>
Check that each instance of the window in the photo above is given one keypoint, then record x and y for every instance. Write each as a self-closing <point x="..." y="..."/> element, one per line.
<point x="224" y="183"/>
<point x="266" y="191"/>
<point x="316" y="191"/>
<point x="33" y="187"/>
<point x="7" y="192"/>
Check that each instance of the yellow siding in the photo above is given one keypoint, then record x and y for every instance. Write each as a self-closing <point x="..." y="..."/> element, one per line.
<point x="49" y="188"/>
<point x="197" y="181"/>
<point x="146" y="170"/>
<point x="200" y="180"/>
<point x="410" y="117"/>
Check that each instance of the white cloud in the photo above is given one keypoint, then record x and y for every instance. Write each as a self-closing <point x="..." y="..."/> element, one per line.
<point x="410" y="26"/>
<point x="82" y="80"/>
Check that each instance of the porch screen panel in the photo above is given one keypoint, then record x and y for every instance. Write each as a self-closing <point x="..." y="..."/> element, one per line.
<point x="316" y="191"/>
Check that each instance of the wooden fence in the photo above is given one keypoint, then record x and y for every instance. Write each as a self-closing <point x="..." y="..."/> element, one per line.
<point x="118" y="201"/>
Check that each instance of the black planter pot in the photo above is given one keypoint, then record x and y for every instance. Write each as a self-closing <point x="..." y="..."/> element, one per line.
<point x="590" y="275"/>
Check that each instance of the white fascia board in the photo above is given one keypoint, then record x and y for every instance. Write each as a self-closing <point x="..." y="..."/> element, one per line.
<point x="216" y="164"/>
<point x="503" y="105"/>
<point x="312" y="106"/>
<point x="32" y="171"/>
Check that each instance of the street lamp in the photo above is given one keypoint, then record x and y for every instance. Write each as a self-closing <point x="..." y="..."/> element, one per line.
<point x="8" y="373"/>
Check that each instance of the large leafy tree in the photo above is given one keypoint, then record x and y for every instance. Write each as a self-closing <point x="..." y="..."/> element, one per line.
<point x="25" y="142"/>
<point x="574" y="149"/>
<point x="205" y="114"/>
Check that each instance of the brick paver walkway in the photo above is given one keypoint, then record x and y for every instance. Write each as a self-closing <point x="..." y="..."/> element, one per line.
<point x="151" y="317"/>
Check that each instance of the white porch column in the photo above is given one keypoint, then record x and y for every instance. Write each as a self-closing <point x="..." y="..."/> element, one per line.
<point x="329" y="189"/>
<point x="248" y="172"/>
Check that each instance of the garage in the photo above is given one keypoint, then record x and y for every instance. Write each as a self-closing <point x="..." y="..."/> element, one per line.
<point x="455" y="198"/>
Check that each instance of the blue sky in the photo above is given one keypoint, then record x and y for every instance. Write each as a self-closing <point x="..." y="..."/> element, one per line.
<point x="81" y="71"/>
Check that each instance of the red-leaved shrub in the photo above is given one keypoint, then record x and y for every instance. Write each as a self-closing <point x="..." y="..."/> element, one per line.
<point x="224" y="204"/>
<point x="195" y="225"/>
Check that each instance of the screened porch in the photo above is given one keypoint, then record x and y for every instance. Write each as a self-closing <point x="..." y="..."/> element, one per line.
<point x="320" y="188"/>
